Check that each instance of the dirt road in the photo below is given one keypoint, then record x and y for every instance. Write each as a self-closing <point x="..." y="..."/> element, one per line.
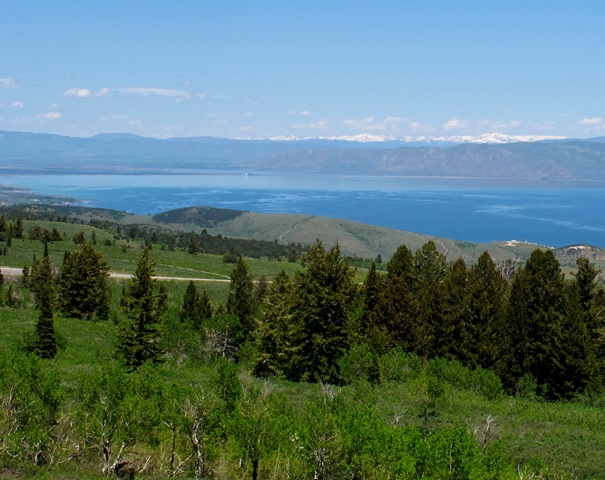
<point x="17" y="272"/>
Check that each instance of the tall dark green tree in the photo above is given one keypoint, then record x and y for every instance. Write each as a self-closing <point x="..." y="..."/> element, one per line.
<point x="83" y="284"/>
<point x="482" y="343"/>
<point x="429" y="268"/>
<point x="372" y="329"/>
<point x="42" y="283"/>
<point x="143" y="302"/>
<point x="190" y="303"/>
<point x="279" y="332"/>
<point x="196" y="306"/>
<point x="402" y="264"/>
<point x="324" y="297"/>
<point x="537" y="316"/>
<point x="242" y="299"/>
<point x="584" y="329"/>
<point x="450" y="312"/>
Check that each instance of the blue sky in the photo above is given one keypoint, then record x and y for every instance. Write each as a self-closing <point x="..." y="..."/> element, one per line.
<point x="262" y="69"/>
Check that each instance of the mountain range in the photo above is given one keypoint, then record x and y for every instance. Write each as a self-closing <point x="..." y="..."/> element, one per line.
<point x="495" y="157"/>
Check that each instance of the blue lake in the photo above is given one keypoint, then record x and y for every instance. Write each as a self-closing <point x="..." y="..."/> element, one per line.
<point x="464" y="209"/>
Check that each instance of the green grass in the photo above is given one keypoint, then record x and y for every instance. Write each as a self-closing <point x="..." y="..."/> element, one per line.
<point x="567" y="435"/>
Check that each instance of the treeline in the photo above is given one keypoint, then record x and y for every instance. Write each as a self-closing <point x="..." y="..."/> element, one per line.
<point x="148" y="234"/>
<point x="537" y="331"/>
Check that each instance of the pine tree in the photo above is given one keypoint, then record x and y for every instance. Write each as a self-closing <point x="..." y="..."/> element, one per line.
<point x="242" y="301"/>
<point x="429" y="268"/>
<point x="83" y="287"/>
<point x="190" y="303"/>
<point x="42" y="283"/>
<point x="279" y="333"/>
<point x="373" y="330"/>
<point x="143" y="301"/>
<point x="537" y="316"/>
<point x="484" y="333"/>
<point x="451" y="317"/>
<point x="196" y="307"/>
<point x="324" y="297"/>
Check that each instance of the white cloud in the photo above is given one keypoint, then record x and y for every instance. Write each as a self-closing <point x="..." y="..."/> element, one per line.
<point x="391" y="119"/>
<point x="500" y="124"/>
<point x="305" y="113"/>
<point x="455" y="124"/>
<point x="17" y="105"/>
<point x="370" y="124"/>
<point x="78" y="92"/>
<point x="594" y="121"/>
<point x="49" y="116"/>
<point x="248" y="114"/>
<point x="144" y="92"/>
<point x="8" y="83"/>
<point x="353" y="122"/>
<point x="322" y="123"/>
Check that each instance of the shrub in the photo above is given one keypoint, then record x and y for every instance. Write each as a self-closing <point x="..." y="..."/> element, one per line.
<point x="399" y="366"/>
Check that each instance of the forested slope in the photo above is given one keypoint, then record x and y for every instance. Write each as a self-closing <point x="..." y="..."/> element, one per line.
<point x="433" y="369"/>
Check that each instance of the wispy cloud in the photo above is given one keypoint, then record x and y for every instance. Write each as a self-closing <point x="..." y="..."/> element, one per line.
<point x="49" y="116"/>
<point x="371" y="124"/>
<point x="305" y="113"/>
<point x="17" y="105"/>
<point x="78" y="92"/>
<point x="320" y="124"/>
<point x="455" y="124"/>
<point x="591" y="122"/>
<point x="178" y="95"/>
<point x="8" y="83"/>
<point x="499" y="125"/>
<point x="145" y="92"/>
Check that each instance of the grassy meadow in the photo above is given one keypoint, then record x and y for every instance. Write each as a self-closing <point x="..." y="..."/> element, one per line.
<point x="559" y="439"/>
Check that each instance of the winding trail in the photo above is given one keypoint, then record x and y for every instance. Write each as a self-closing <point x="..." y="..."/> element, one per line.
<point x="281" y="237"/>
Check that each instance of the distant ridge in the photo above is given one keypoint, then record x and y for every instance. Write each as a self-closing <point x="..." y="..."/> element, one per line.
<point x="491" y="156"/>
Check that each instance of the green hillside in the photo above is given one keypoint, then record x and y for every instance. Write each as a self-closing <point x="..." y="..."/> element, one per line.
<point x="370" y="429"/>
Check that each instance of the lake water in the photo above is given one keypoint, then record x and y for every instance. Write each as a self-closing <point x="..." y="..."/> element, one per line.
<point x="471" y="210"/>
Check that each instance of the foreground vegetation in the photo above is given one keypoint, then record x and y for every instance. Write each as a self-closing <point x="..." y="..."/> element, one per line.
<point x="291" y="379"/>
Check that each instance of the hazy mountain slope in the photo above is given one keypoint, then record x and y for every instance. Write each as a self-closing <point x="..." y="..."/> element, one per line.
<point x="354" y="239"/>
<point x="581" y="160"/>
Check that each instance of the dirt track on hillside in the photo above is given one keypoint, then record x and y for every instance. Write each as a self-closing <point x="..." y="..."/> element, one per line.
<point x="17" y="272"/>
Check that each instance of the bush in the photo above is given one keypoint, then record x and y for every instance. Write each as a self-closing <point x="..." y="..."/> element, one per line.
<point x="488" y="383"/>
<point x="399" y="366"/>
<point x="357" y="364"/>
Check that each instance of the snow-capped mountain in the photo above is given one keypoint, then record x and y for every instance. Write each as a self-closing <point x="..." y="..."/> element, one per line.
<point x="454" y="139"/>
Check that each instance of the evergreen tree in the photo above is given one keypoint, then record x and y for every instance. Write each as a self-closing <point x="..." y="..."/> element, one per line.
<point x="279" y="333"/>
<point x="83" y="284"/>
<point x="483" y="338"/>
<point x="451" y="317"/>
<point x="196" y="307"/>
<point x="324" y="297"/>
<point x="190" y="303"/>
<point x="242" y="301"/>
<point x="402" y="264"/>
<point x="537" y="316"/>
<point x="373" y="331"/>
<point x="143" y="301"/>
<point x="429" y="268"/>
<point x="42" y="283"/>
<point x="17" y="231"/>
<point x="583" y="346"/>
